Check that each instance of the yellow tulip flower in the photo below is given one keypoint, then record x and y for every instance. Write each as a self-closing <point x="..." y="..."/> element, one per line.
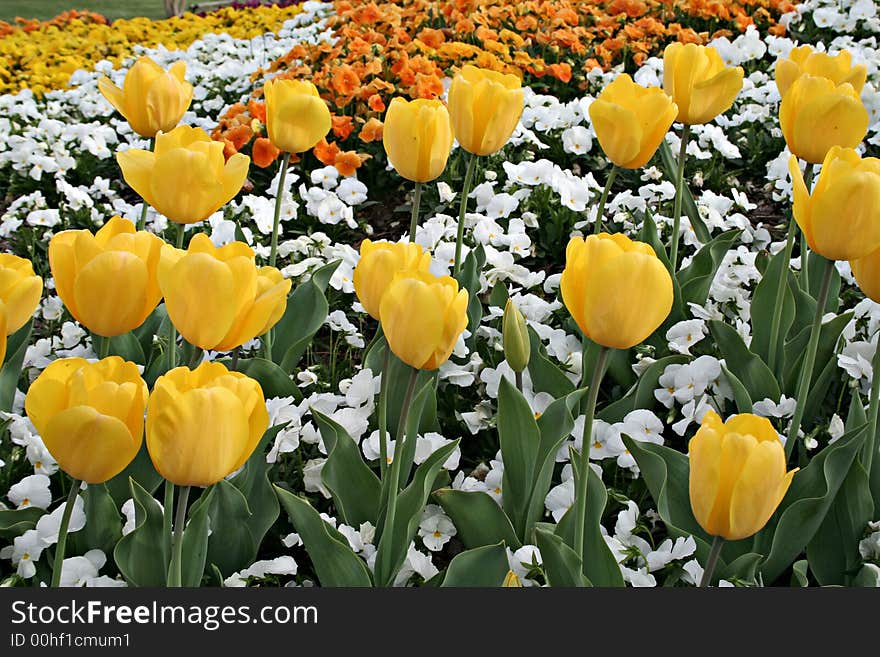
<point x="484" y="107"/>
<point x="867" y="273"/>
<point x="737" y="474"/>
<point x="422" y="317"/>
<point x="107" y="280"/>
<point x="218" y="298"/>
<point x="186" y="177"/>
<point x="89" y="414"/>
<point x="20" y="291"/>
<point x="417" y="136"/>
<point x="803" y="60"/>
<point x="841" y="220"/>
<point x="615" y="288"/>
<point x="151" y="99"/>
<point x="378" y="264"/>
<point x="816" y="114"/>
<point x="699" y="82"/>
<point x="204" y="424"/>
<point x="3" y="336"/>
<point x="296" y="116"/>
<point x="631" y="120"/>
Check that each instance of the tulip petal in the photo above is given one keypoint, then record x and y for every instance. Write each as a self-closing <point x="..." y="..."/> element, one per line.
<point x="137" y="170"/>
<point x="735" y="452"/>
<point x="412" y="320"/>
<point x="110" y="293"/>
<point x="755" y="495"/>
<point x="705" y="473"/>
<point x="846" y="218"/>
<point x="801" y="199"/>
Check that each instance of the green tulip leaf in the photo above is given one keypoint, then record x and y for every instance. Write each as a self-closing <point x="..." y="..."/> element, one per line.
<point x="354" y="486"/>
<point x="152" y="326"/>
<point x="797" y="346"/>
<point x="231" y="545"/>
<point x="142" y="555"/>
<point x="104" y="527"/>
<point x="799" y="573"/>
<point x="484" y="566"/>
<point x="815" y="266"/>
<point x="745" y="365"/>
<point x="696" y="279"/>
<point x="16" y="348"/>
<point x="273" y="380"/>
<point x="641" y="395"/>
<point x="126" y="346"/>
<point x="477" y="518"/>
<point x="650" y="236"/>
<point x="764" y="304"/>
<point x="469" y="279"/>
<point x="740" y="394"/>
<point x="141" y="470"/>
<point x="562" y="565"/>
<point x="15" y="522"/>
<point x="253" y="482"/>
<point x="546" y="376"/>
<point x="669" y="163"/>
<point x="867" y="577"/>
<point x="194" y="553"/>
<point x="334" y="561"/>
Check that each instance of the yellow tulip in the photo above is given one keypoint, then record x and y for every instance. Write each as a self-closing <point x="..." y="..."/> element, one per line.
<point x="296" y="116"/>
<point x="803" y="60"/>
<point x="699" y="82"/>
<point x="417" y="136"/>
<point x="107" y="280"/>
<point x="186" y="177"/>
<point x="867" y="272"/>
<point x="484" y="107"/>
<point x="89" y="414"/>
<point x="218" y="298"/>
<point x="841" y="220"/>
<point x="616" y="289"/>
<point x="2" y="332"/>
<point x="737" y="474"/>
<point x="815" y="114"/>
<point x="378" y="264"/>
<point x="204" y="424"/>
<point x="631" y="120"/>
<point x="152" y="99"/>
<point x="422" y="317"/>
<point x="20" y="291"/>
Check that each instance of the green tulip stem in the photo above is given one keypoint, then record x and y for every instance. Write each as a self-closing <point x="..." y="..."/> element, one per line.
<point x="175" y="577"/>
<point x="168" y="508"/>
<point x="62" y="534"/>
<point x="414" y="218"/>
<point x="196" y="357"/>
<point x="803" y="389"/>
<point x="462" y="211"/>
<point x="142" y="221"/>
<point x="602" y="199"/>
<point x="104" y="348"/>
<point x="236" y="353"/>
<point x="279" y="195"/>
<point x="870" y="447"/>
<point x="711" y="561"/>
<point x="779" y="302"/>
<point x="583" y="471"/>
<point x="172" y="330"/>
<point x="394" y="474"/>
<point x="679" y="192"/>
<point x="383" y="412"/>
<point x="518" y="379"/>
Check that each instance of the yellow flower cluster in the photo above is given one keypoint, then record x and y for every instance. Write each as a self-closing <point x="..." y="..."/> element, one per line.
<point x="42" y="57"/>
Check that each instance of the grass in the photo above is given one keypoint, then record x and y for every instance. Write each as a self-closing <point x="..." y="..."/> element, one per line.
<point x="112" y="9"/>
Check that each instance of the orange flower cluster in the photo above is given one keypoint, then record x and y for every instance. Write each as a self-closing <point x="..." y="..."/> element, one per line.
<point x="406" y="48"/>
<point x="60" y="21"/>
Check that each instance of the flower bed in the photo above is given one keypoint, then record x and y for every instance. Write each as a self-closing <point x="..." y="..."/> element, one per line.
<point x="322" y="456"/>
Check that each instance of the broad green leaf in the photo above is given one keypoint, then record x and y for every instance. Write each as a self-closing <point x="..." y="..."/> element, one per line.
<point x="747" y="366"/>
<point x="142" y="555"/>
<point x="519" y="437"/>
<point x="641" y="395"/>
<point x="15" y="522"/>
<point x="484" y="566"/>
<point x="546" y="376"/>
<point x="816" y="265"/>
<point x="799" y="576"/>
<point x="104" y="527"/>
<point x="696" y="279"/>
<point x="141" y="470"/>
<point x="16" y="347"/>
<point x="334" y="561"/>
<point x="477" y="518"/>
<point x="764" y="305"/>
<point x="469" y="279"/>
<point x="253" y="482"/>
<point x="744" y="567"/>
<point x="195" y="540"/>
<point x="146" y="332"/>
<point x="805" y="505"/>
<point x="126" y="346"/>
<point x="740" y="394"/>
<point x="562" y="565"/>
<point x="274" y="381"/>
<point x="231" y="545"/>
<point x="796" y="347"/>
<point x="650" y="236"/>
<point x="868" y="576"/>
<point x="354" y="486"/>
<point x="669" y="162"/>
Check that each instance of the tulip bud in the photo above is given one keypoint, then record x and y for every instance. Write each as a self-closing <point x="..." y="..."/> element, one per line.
<point x="484" y="107"/>
<point x="218" y="298"/>
<point x="737" y="474"/>
<point x="296" y="116"/>
<point x="841" y="220"/>
<point x="20" y="291"/>
<point x="815" y="115"/>
<point x="616" y="289"/>
<point x="515" y="338"/>
<point x="803" y="60"/>
<point x="378" y="264"/>
<point x="631" y="120"/>
<point x="417" y="136"/>
<point x="152" y="99"/>
<point x="204" y="424"/>
<point x="698" y="81"/>
<point x="422" y="317"/>
<point x="90" y="415"/>
<point x="107" y="280"/>
<point x="511" y="581"/>
<point x="186" y="177"/>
